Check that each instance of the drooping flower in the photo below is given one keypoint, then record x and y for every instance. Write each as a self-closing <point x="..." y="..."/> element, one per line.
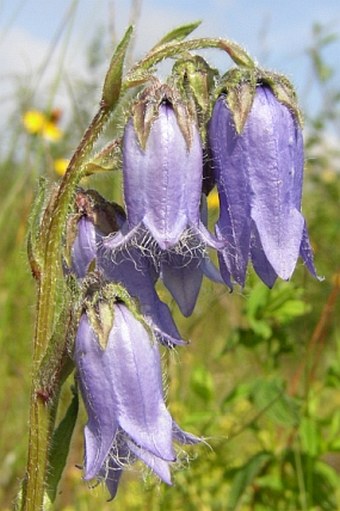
<point x="129" y="268"/>
<point x="119" y="374"/>
<point x="259" y="178"/>
<point x="162" y="171"/>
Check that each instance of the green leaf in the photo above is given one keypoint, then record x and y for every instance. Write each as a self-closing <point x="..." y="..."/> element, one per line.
<point x="60" y="447"/>
<point x="270" y="396"/>
<point x="242" y="390"/>
<point x="178" y="34"/>
<point x="113" y="79"/>
<point x="202" y="383"/>
<point x="245" y="475"/>
<point x="310" y="436"/>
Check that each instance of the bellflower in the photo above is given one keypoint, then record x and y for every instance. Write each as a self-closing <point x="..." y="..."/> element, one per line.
<point x="259" y="178"/>
<point x="162" y="172"/>
<point x="120" y="379"/>
<point x="132" y="270"/>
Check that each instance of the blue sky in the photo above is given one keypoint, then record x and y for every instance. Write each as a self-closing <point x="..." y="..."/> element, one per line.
<point x="275" y="32"/>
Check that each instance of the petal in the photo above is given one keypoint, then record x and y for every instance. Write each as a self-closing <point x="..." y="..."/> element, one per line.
<point x="281" y="241"/>
<point x="160" y="319"/>
<point x="211" y="272"/>
<point x="233" y="225"/>
<point x="158" y="465"/>
<point x="260" y="262"/>
<point x="233" y="260"/>
<point x="184" y="437"/>
<point x="182" y="276"/>
<point x="136" y="374"/>
<point x="84" y="247"/>
<point x="96" y="388"/>
<point x="224" y="269"/>
<point x="306" y="254"/>
<point x="119" y="456"/>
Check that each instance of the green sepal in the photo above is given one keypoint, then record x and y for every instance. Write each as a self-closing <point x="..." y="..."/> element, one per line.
<point x="60" y="446"/>
<point x="99" y="303"/>
<point x="239" y="86"/>
<point x="195" y="79"/>
<point x="101" y="318"/>
<point x="284" y="92"/>
<point x="113" y="79"/>
<point x="146" y="109"/>
<point x="178" y="34"/>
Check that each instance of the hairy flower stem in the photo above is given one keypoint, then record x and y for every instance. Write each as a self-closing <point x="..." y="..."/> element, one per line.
<point x="42" y="410"/>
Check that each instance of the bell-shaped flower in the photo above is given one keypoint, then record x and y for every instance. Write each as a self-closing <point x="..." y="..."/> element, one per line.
<point x="162" y="172"/>
<point x="259" y="176"/>
<point x="119" y="374"/>
<point x="129" y="268"/>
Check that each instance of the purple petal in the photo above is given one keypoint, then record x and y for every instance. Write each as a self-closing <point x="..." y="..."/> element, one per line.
<point x="84" y="247"/>
<point x="281" y="245"/>
<point x="183" y="437"/>
<point x="224" y="269"/>
<point x="306" y="254"/>
<point x="113" y="468"/>
<point x="233" y="225"/>
<point x="137" y="381"/>
<point x="297" y="169"/>
<point x="211" y="272"/>
<point x="182" y="276"/>
<point x="260" y="262"/>
<point x="162" y="184"/>
<point x="96" y="387"/>
<point x="158" y="465"/>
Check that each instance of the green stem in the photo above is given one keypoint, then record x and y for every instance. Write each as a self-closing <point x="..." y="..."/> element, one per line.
<point x="42" y="412"/>
<point x="49" y="249"/>
<point x="159" y="53"/>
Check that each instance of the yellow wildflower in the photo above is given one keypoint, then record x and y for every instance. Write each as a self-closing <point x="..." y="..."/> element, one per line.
<point x="60" y="166"/>
<point x="34" y="121"/>
<point x="38" y="123"/>
<point x="51" y="131"/>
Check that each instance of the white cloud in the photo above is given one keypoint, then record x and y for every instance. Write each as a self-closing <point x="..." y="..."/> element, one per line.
<point x="32" y="63"/>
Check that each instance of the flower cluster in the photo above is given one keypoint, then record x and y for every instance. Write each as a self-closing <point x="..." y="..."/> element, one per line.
<point x="119" y="254"/>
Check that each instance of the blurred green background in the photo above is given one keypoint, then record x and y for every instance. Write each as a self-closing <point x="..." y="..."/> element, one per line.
<point x="260" y="379"/>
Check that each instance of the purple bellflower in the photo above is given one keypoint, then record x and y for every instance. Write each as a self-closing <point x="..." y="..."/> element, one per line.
<point x="162" y="172"/>
<point x="129" y="268"/>
<point x="259" y="175"/>
<point x="120" y="379"/>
